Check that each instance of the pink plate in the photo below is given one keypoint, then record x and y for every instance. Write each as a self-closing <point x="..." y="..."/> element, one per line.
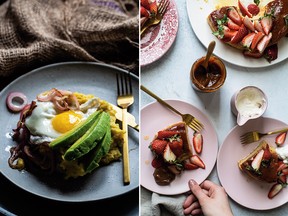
<point x="156" y="41"/>
<point x="241" y="188"/>
<point x="155" y="117"/>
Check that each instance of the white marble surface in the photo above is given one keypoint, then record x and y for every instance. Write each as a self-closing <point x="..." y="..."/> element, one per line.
<point x="169" y="78"/>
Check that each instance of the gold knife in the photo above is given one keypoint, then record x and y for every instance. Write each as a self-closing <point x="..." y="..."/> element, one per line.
<point x="130" y="118"/>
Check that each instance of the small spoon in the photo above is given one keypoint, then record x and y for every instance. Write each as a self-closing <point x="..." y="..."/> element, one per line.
<point x="208" y="54"/>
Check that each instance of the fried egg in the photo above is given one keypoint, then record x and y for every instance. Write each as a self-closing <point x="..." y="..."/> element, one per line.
<point x="46" y="123"/>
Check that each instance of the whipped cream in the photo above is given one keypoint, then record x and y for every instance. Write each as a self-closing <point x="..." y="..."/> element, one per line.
<point x="283" y="153"/>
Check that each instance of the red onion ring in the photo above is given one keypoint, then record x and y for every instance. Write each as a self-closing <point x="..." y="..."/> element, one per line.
<point x="16" y="101"/>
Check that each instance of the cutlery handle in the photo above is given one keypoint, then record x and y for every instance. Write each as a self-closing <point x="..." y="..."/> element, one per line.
<point x="277" y="131"/>
<point x="159" y="99"/>
<point x="125" y="150"/>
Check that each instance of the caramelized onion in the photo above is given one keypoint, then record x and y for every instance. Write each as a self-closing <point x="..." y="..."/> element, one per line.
<point x="16" y="101"/>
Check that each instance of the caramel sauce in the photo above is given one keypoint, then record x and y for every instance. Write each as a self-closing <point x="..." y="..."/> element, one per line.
<point x="163" y="176"/>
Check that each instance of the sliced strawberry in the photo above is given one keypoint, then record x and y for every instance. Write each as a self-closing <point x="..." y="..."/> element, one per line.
<point x="190" y="166"/>
<point x="195" y="159"/>
<point x="243" y="9"/>
<point x="165" y="134"/>
<point x="157" y="162"/>
<point x="247" y="40"/>
<point x="256" y="40"/>
<point x="256" y="163"/>
<point x="266" y="23"/>
<point x="153" y="7"/>
<point x="258" y="26"/>
<point x="240" y="35"/>
<point x="267" y="154"/>
<point x="228" y="33"/>
<point x="275" y="189"/>
<point x="248" y="23"/>
<point x="232" y="25"/>
<point x="145" y="4"/>
<point x="158" y="146"/>
<point x="177" y="146"/>
<point x="168" y="155"/>
<point x="197" y="141"/>
<point x="234" y="16"/>
<point x="261" y="46"/>
<point x="253" y="9"/>
<point x="285" y="171"/>
<point x="282" y="166"/>
<point x="144" y="12"/>
<point x="280" y="138"/>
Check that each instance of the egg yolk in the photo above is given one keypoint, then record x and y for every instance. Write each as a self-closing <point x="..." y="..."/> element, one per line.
<point x="66" y="121"/>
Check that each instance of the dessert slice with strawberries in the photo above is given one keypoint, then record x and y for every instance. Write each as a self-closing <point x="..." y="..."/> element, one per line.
<point x="264" y="164"/>
<point x="244" y="28"/>
<point x="173" y="153"/>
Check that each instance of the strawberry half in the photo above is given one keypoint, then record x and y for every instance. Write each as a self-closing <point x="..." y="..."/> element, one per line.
<point x="232" y="25"/>
<point x="247" y="40"/>
<point x="256" y="163"/>
<point x="261" y="46"/>
<point x="248" y="23"/>
<point x="144" y="12"/>
<point x="196" y="160"/>
<point x="197" y="142"/>
<point x="177" y="146"/>
<point x="243" y="9"/>
<point x="280" y="138"/>
<point x="253" y="9"/>
<point x="242" y="32"/>
<point x="266" y="23"/>
<point x="257" y="39"/>
<point x="275" y="189"/>
<point x="145" y="4"/>
<point x="168" y="155"/>
<point x="158" y="146"/>
<point x="165" y="134"/>
<point x="190" y="166"/>
<point x="157" y="162"/>
<point x="234" y="15"/>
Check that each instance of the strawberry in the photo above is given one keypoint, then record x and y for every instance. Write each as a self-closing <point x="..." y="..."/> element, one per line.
<point x="253" y="9"/>
<point x="267" y="154"/>
<point x="144" y="12"/>
<point x="145" y="4"/>
<point x="280" y="138"/>
<point x="232" y="25"/>
<point x="266" y="23"/>
<point x="190" y="166"/>
<point x="271" y="52"/>
<point x="275" y="189"/>
<point x="228" y="33"/>
<point x="158" y="146"/>
<point x="234" y="16"/>
<point x="157" y="162"/>
<point x="177" y="146"/>
<point x="247" y="40"/>
<point x="168" y="155"/>
<point x="258" y="26"/>
<point x="153" y="8"/>
<point x="248" y="23"/>
<point x="240" y="34"/>
<point x="196" y="160"/>
<point x="256" y="163"/>
<point x="256" y="39"/>
<point x="197" y="142"/>
<point x="243" y="9"/>
<point x="165" y="134"/>
<point x="282" y="166"/>
<point x="261" y="46"/>
<point x="285" y="171"/>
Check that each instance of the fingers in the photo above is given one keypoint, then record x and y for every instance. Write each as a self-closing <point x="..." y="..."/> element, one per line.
<point x="207" y="185"/>
<point x="193" y="209"/>
<point x="197" y="190"/>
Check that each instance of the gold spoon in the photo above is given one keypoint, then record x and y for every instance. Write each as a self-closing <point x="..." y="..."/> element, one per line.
<point x="208" y="54"/>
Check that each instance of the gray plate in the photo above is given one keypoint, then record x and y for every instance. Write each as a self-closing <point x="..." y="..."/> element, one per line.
<point x="89" y="78"/>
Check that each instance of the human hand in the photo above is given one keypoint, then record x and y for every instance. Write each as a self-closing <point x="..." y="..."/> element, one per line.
<point x="207" y="198"/>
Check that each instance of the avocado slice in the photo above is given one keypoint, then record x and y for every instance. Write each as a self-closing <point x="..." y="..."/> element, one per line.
<point x="71" y="136"/>
<point x="90" y="139"/>
<point x="94" y="156"/>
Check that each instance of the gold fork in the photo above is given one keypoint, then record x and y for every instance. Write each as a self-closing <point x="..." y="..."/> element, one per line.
<point x="161" y="9"/>
<point x="190" y="120"/>
<point x="254" y="136"/>
<point x="124" y="100"/>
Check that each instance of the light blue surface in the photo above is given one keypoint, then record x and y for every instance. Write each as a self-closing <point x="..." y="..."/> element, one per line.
<point x="169" y="79"/>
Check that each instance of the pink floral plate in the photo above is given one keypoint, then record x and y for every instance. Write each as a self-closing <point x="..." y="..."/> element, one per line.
<point x="240" y="187"/>
<point x="157" y="40"/>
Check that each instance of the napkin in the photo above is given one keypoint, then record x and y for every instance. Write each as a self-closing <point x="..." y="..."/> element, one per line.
<point x="35" y="33"/>
<point x="153" y="204"/>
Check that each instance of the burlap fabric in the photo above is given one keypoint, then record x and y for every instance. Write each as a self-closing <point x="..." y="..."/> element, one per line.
<point x="34" y="33"/>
